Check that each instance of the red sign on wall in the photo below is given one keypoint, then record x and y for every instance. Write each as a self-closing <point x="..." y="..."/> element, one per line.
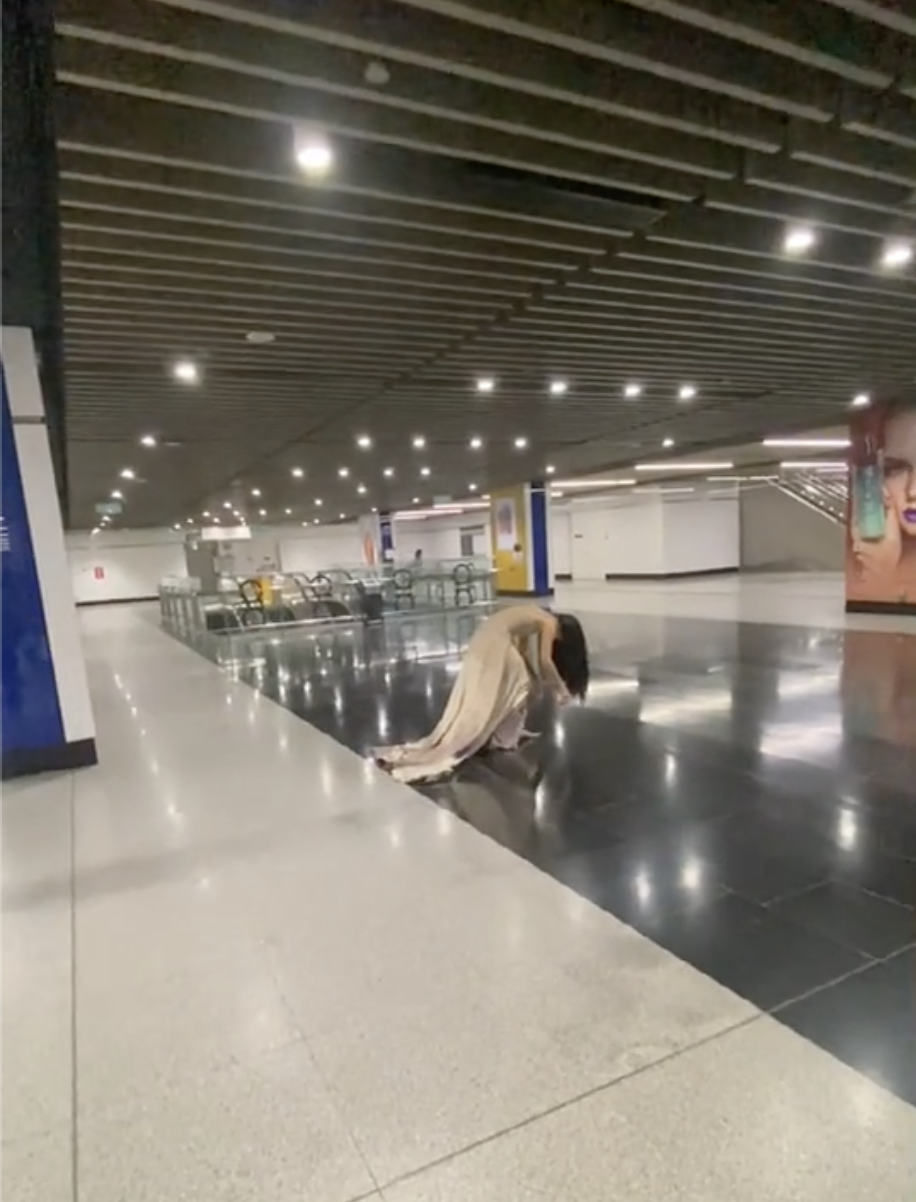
<point x="98" y="573"/>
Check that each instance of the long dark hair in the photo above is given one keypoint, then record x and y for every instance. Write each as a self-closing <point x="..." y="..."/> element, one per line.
<point x="570" y="655"/>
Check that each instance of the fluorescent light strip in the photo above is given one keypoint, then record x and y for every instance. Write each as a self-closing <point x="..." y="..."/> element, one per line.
<point x="823" y="465"/>
<point x="827" y="444"/>
<point x="591" y="483"/>
<point x="683" y="467"/>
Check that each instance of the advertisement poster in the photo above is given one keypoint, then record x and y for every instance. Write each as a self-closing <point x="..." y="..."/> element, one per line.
<point x="881" y="527"/>
<point x="506" y="524"/>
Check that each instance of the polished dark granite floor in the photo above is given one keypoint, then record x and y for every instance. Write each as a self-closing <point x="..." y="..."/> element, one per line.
<point x="744" y="795"/>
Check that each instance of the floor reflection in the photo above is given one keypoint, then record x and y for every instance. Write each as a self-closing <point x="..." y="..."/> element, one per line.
<point x="743" y="794"/>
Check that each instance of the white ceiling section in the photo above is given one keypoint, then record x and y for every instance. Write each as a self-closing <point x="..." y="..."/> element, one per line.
<point x="502" y="197"/>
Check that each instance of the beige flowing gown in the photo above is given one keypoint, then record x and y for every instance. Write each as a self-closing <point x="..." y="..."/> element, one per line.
<point x="487" y="704"/>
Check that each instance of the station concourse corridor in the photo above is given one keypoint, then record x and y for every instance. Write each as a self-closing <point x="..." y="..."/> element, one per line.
<point x="241" y="963"/>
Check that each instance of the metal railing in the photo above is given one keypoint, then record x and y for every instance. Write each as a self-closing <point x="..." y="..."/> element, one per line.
<point x="335" y="595"/>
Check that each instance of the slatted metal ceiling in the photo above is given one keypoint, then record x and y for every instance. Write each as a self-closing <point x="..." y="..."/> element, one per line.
<point x="522" y="189"/>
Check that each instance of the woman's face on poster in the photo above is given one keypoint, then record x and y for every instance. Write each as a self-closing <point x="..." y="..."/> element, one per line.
<point x="900" y="469"/>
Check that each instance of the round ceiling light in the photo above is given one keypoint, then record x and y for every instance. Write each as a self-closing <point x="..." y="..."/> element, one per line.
<point x="260" y="337"/>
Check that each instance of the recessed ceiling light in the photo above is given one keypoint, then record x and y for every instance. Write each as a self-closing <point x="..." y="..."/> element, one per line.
<point x="117" y="495"/>
<point x="896" y="254"/>
<point x="343" y="472"/>
<point x="808" y="443"/>
<point x="128" y="473"/>
<point x="255" y="492"/>
<point x="472" y="488"/>
<point x="668" y="442"/>
<point x="262" y="513"/>
<point x="389" y="472"/>
<point x="520" y="443"/>
<point x="686" y="392"/>
<point x="821" y="465"/>
<point x="342" y="516"/>
<point x="861" y="400"/>
<point x="186" y="371"/>
<point x="550" y="469"/>
<point x="288" y="512"/>
<point x="486" y="384"/>
<point x="632" y="390"/>
<point x="260" y="337"/>
<point x="227" y="504"/>
<point x="364" y="442"/>
<point x="315" y="522"/>
<point x="798" y="239"/>
<point x="298" y="472"/>
<point x="206" y="513"/>
<point x="416" y="501"/>
<point x="424" y="471"/>
<point x="558" y="387"/>
<point x="476" y="444"/>
<point x="148" y="440"/>
<point x="314" y="156"/>
<point x="419" y="442"/>
<point x="361" y="488"/>
<point x="318" y="501"/>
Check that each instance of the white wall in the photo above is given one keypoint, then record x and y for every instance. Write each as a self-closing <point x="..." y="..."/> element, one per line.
<point x="779" y="531"/>
<point x="645" y="533"/>
<point x="701" y="534"/>
<point x="122" y="566"/>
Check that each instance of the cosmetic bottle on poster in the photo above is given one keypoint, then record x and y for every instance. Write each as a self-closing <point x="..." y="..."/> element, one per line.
<point x="868" y="492"/>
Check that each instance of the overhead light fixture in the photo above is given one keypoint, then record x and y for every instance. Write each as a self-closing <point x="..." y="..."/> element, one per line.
<point x="896" y="254"/>
<point x="558" y="387"/>
<point x="686" y="392"/>
<point x="812" y="465"/>
<point x="594" y="483"/>
<point x="520" y="443"/>
<point x="472" y="488"/>
<point x="315" y="522"/>
<point x="262" y="513"/>
<point x="415" y="501"/>
<point x="260" y="337"/>
<point x="148" y="440"/>
<point x="186" y="371"/>
<point x="486" y="384"/>
<point x="116" y="494"/>
<point x="476" y="444"/>
<point x="298" y="472"/>
<point x="206" y="513"/>
<point x="632" y="390"/>
<point x="798" y="240"/>
<point x="667" y="443"/>
<point x="826" y="444"/>
<point x="861" y="400"/>
<point x="550" y="469"/>
<point x="255" y="492"/>
<point x="343" y="472"/>
<point x="711" y="466"/>
<point x="227" y="504"/>
<point x="364" y="442"/>
<point x="388" y="472"/>
<point x="424" y="471"/>
<point x="128" y="473"/>
<point x="314" y="155"/>
<point x="318" y="501"/>
<point x="342" y="516"/>
<point x="419" y="442"/>
<point x="361" y="489"/>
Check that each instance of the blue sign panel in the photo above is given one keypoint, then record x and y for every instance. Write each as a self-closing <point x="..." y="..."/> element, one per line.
<point x="31" y="711"/>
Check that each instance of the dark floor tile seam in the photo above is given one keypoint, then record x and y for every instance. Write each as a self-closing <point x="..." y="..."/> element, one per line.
<point x="775" y="1011"/>
<point x="591" y="1092"/>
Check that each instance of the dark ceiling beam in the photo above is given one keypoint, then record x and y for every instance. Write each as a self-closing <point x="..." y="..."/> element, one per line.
<point x="109" y="255"/>
<point x="191" y="86"/>
<point x="380" y="29"/>
<point x="115" y="227"/>
<point x="614" y="33"/>
<point x="104" y="123"/>
<point x="124" y="177"/>
<point x="788" y="207"/>
<point x="325" y="232"/>
<point x="202" y="41"/>
<point x="899" y="15"/>
<point x="811" y="34"/>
